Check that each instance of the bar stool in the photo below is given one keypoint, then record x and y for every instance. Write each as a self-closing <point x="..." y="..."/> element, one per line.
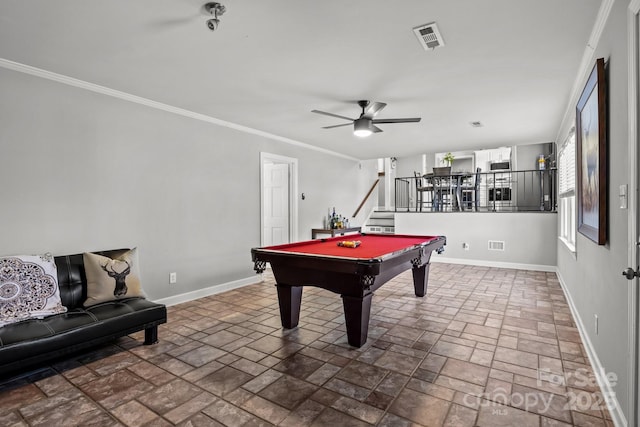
<point x="423" y="186"/>
<point x="443" y="188"/>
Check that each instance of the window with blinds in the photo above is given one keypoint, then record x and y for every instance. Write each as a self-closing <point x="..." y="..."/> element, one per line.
<point x="567" y="190"/>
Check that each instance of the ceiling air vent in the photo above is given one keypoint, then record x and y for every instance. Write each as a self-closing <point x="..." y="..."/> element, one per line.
<point x="429" y="36"/>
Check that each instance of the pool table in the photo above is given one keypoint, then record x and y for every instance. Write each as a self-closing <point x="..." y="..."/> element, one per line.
<point x="354" y="273"/>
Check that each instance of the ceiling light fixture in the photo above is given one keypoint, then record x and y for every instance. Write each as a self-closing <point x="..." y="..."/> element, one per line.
<point x="365" y="125"/>
<point x="362" y="127"/>
<point x="215" y="9"/>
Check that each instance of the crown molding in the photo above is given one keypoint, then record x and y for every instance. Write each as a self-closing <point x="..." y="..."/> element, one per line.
<point x="70" y="81"/>
<point x="585" y="67"/>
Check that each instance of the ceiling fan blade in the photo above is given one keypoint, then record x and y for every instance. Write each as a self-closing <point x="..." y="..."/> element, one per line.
<point x="336" y="126"/>
<point x="376" y="129"/>
<point x="373" y="108"/>
<point x="332" y="115"/>
<point x="407" y="120"/>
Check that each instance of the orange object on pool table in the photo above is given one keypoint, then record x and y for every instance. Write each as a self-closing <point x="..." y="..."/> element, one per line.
<point x="354" y="273"/>
<point x="349" y="243"/>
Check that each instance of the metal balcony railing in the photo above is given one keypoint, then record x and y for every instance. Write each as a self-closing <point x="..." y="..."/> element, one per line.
<point x="497" y="191"/>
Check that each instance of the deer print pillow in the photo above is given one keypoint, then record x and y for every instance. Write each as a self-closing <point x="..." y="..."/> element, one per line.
<point x="28" y="288"/>
<point x="111" y="279"/>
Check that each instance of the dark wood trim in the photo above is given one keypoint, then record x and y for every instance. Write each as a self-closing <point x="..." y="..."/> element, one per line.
<point x="366" y="197"/>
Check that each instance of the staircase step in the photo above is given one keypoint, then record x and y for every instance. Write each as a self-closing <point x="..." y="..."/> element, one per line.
<point x="380" y="229"/>
<point x="380" y="214"/>
<point x="381" y="221"/>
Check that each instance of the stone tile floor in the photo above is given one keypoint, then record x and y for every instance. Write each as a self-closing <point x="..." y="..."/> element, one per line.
<point x="486" y="347"/>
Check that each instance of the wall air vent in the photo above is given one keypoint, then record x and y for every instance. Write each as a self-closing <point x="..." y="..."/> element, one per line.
<point x="496" y="245"/>
<point x="429" y="36"/>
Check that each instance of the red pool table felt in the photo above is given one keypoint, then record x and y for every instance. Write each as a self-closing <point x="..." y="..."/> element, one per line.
<point x="371" y="245"/>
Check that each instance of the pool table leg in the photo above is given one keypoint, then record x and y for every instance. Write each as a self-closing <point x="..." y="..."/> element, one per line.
<point x="356" y="315"/>
<point x="420" y="279"/>
<point x="289" y="299"/>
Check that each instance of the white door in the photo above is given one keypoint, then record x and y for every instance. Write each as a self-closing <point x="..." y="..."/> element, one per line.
<point x="276" y="203"/>
<point x="634" y="210"/>
<point x="634" y="269"/>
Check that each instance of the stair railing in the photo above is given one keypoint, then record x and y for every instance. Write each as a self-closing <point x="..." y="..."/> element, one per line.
<point x="366" y="197"/>
<point x="503" y="191"/>
<point x="402" y="198"/>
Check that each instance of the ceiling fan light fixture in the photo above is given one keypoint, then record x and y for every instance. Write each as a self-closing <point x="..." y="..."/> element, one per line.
<point x="365" y="125"/>
<point x="362" y="127"/>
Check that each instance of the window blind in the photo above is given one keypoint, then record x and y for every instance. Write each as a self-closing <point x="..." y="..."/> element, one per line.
<point x="567" y="166"/>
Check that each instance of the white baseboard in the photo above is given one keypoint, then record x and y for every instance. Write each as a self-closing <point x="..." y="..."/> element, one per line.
<point x="212" y="290"/>
<point x="599" y="371"/>
<point x="496" y="264"/>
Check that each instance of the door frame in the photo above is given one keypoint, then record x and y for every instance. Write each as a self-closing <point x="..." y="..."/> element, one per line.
<point x="633" y="32"/>
<point x="293" y="191"/>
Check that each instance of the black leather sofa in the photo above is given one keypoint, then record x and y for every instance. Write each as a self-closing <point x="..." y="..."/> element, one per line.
<point x="32" y="342"/>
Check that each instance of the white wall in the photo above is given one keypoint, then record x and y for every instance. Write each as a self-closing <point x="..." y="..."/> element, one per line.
<point x="525" y="157"/>
<point x="530" y="238"/>
<point x="592" y="277"/>
<point x="82" y="171"/>
<point x="406" y="166"/>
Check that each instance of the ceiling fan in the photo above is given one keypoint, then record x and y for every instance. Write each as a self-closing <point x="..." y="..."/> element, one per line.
<point x="365" y="124"/>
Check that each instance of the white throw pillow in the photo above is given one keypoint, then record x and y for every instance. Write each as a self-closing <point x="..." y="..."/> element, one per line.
<point x="28" y="288"/>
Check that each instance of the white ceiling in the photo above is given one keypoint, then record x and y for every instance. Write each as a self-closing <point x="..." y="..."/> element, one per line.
<point x="510" y="64"/>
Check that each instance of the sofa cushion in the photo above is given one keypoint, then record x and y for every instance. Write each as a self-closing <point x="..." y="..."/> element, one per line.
<point x="28" y="288"/>
<point x="111" y="279"/>
<point x="34" y="329"/>
<point x="41" y="339"/>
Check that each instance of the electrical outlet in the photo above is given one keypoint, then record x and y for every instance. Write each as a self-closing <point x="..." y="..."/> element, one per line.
<point x="465" y="246"/>
<point x="173" y="277"/>
<point x="596" y="323"/>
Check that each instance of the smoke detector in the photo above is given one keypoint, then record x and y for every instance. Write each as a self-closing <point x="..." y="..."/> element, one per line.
<point x="429" y="36"/>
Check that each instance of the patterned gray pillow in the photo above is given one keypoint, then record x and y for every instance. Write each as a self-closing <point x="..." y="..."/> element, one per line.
<point x="28" y="288"/>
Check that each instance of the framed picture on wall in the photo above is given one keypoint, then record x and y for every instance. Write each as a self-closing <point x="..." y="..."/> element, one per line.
<point x="591" y="141"/>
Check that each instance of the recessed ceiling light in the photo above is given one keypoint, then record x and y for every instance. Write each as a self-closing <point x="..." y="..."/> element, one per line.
<point x="476" y="124"/>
